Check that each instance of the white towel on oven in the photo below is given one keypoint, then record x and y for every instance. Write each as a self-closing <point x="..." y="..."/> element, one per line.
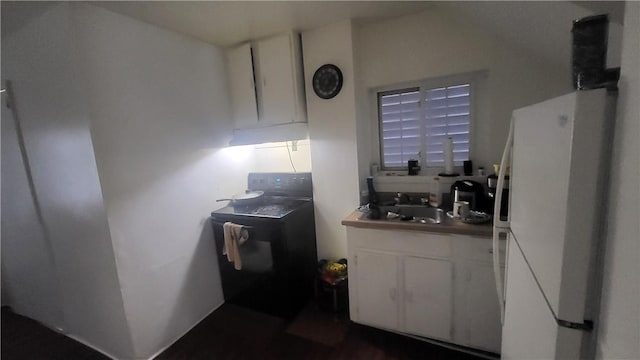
<point x="234" y="236"/>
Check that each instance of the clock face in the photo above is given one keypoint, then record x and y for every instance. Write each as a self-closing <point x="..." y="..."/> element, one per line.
<point x="327" y="81"/>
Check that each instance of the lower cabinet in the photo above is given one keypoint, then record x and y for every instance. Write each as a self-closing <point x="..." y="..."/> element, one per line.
<point x="431" y="285"/>
<point x="377" y="281"/>
<point x="428" y="286"/>
<point x="481" y="310"/>
<point x="405" y="300"/>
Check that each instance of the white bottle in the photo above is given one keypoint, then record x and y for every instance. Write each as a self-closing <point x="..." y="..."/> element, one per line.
<point x="435" y="195"/>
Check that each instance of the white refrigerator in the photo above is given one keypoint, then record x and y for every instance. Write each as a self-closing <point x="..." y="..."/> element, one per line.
<point x="558" y="153"/>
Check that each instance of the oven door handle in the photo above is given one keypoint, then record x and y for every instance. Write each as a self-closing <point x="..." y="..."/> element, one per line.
<point x="222" y="224"/>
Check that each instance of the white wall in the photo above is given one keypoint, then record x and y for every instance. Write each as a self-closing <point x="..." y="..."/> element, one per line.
<point x="159" y="111"/>
<point x="619" y="328"/>
<point x="429" y="44"/>
<point x="29" y="290"/>
<point x="274" y="157"/>
<point x="364" y="125"/>
<point x="137" y="268"/>
<point x="160" y="124"/>
<point x="40" y="58"/>
<point x="436" y="43"/>
<point x="332" y="130"/>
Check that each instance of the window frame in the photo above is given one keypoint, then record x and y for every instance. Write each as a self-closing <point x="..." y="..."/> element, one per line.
<point x="423" y="86"/>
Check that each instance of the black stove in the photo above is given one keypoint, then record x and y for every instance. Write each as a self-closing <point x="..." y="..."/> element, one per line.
<point x="279" y="258"/>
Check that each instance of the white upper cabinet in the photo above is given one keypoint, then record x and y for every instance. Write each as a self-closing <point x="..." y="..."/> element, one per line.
<point x="267" y="75"/>
<point x="281" y="85"/>
<point x="244" y="107"/>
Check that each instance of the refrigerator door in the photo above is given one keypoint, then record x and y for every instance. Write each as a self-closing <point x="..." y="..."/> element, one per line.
<point x="530" y="330"/>
<point x="556" y="160"/>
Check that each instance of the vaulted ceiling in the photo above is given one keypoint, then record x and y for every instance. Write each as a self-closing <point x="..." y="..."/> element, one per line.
<point x="540" y="27"/>
<point x="226" y="23"/>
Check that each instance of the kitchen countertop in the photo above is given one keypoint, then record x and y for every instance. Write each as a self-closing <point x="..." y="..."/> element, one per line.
<point x="448" y="226"/>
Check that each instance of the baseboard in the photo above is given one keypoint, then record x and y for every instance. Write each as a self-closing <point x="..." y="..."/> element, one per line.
<point x="186" y="331"/>
<point x="85" y="343"/>
<point x="154" y="355"/>
<point x="111" y="356"/>
<point x="475" y="352"/>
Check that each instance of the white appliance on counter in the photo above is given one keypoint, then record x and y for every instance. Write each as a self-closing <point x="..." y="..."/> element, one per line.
<point x="558" y="151"/>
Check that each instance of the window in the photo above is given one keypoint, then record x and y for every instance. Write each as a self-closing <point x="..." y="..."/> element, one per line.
<point x="415" y="122"/>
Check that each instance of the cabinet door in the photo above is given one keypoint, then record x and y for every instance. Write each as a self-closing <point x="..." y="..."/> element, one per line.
<point x="276" y="80"/>
<point x="428" y="297"/>
<point x="481" y="307"/>
<point x="242" y="88"/>
<point x="376" y="288"/>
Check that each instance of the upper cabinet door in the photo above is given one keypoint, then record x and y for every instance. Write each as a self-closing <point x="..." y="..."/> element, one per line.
<point x="242" y="88"/>
<point x="277" y="77"/>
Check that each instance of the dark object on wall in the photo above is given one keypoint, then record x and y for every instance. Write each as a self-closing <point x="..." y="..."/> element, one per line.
<point x="327" y="81"/>
<point x="468" y="167"/>
<point x="413" y="167"/>
<point x="589" y="52"/>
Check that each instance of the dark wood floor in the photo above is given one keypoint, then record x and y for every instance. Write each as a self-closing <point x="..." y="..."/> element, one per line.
<point x="232" y="332"/>
<point x="23" y="338"/>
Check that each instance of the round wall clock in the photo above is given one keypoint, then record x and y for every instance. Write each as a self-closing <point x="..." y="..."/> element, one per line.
<point x="327" y="81"/>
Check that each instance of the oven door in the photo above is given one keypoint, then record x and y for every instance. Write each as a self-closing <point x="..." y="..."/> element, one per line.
<point x="255" y="285"/>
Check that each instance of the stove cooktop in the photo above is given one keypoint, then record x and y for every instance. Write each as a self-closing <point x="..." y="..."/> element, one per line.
<point x="283" y="194"/>
<point x="272" y="207"/>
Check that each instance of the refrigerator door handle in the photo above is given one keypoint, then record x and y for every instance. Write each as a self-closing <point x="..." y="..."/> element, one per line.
<point x="497" y="223"/>
<point x="587" y="325"/>
<point x="497" y="274"/>
<point x="504" y="162"/>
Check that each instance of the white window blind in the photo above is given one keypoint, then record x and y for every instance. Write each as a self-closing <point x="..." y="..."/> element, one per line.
<point x="400" y="127"/>
<point x="447" y="112"/>
<point x="415" y="122"/>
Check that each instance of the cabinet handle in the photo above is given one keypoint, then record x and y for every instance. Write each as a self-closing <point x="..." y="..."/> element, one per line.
<point x="264" y="81"/>
<point x="392" y="294"/>
<point x="490" y="251"/>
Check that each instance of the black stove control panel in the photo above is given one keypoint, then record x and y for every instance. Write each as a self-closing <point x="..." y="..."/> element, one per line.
<point x="285" y="184"/>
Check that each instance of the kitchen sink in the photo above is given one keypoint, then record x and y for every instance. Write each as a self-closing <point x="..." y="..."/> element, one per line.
<point x="413" y="213"/>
